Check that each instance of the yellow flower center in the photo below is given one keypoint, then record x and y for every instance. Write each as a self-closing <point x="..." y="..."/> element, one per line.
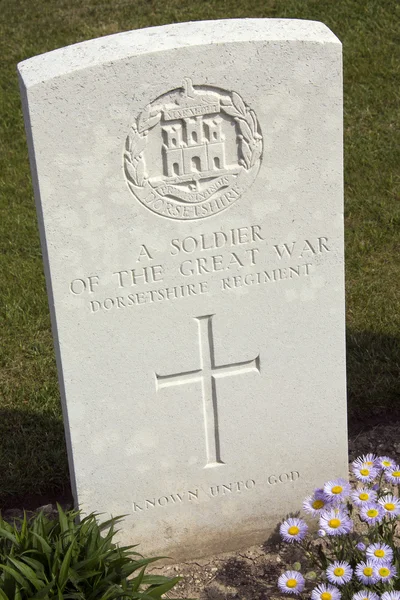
<point x="339" y="571"/>
<point x="372" y="512"/>
<point x="384" y="572"/>
<point x="396" y="473"/>
<point x="326" y="596"/>
<point x="379" y="553"/>
<point x="337" y="489"/>
<point x="293" y="530"/>
<point x="369" y="463"/>
<point x="317" y="504"/>
<point x="368" y="571"/>
<point x="364" y="472"/>
<point x="363" y="496"/>
<point x="386" y="463"/>
<point x="334" y="523"/>
<point x="389" y="506"/>
<point x="291" y="583"/>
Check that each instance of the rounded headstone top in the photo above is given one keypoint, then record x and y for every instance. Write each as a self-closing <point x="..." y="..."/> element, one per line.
<point x="167" y="37"/>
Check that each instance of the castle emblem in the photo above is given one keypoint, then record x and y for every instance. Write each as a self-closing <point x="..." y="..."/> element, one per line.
<point x="193" y="152"/>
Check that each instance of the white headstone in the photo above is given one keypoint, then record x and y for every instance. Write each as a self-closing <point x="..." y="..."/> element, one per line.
<point x="188" y="181"/>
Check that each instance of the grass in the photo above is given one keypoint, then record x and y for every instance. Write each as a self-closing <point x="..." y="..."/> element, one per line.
<point x="32" y="451"/>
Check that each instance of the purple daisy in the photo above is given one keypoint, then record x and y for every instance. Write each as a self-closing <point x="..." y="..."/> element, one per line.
<point x="337" y="490"/>
<point x="325" y="592"/>
<point x="385" y="462"/>
<point x="335" y="521"/>
<point x="363" y="495"/>
<point x="366" y="572"/>
<point x="364" y="471"/>
<point x="390" y="504"/>
<point x="293" y="530"/>
<point x="379" y="554"/>
<point x="386" y="572"/>
<point x="339" y="572"/>
<point x="291" y="582"/>
<point x="391" y="595"/>
<point x="315" y="504"/>
<point x="393" y="474"/>
<point x="372" y="513"/>
<point x="369" y="459"/>
<point x="365" y="595"/>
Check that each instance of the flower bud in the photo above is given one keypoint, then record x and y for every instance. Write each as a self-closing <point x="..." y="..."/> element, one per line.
<point x="361" y="546"/>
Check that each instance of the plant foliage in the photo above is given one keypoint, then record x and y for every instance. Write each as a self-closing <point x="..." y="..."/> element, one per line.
<point x="67" y="559"/>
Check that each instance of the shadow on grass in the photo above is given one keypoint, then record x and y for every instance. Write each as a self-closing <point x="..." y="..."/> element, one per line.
<point x="373" y="380"/>
<point x="33" y="458"/>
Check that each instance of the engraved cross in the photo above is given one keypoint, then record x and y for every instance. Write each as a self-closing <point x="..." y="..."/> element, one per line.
<point x="207" y="375"/>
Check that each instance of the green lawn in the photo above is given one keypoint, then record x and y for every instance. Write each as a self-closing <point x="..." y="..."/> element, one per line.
<point x="32" y="451"/>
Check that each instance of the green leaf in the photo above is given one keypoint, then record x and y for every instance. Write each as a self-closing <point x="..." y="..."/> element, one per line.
<point x="34" y="564"/>
<point x="45" y="546"/>
<point x="62" y="519"/>
<point x="63" y="576"/>
<point x="44" y="592"/>
<point x="133" y="566"/>
<point x="17" y="594"/>
<point x="111" y="522"/>
<point x="17" y="576"/>
<point x="138" y="580"/>
<point x="3" y="596"/>
<point x="8" y="535"/>
<point x="24" y="526"/>
<point x="27" y="572"/>
<point x="155" y="579"/>
<point x="158" y="591"/>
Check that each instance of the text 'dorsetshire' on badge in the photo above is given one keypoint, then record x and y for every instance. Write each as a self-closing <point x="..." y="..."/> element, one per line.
<point x="193" y="152"/>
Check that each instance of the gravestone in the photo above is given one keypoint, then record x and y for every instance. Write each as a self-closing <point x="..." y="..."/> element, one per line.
<point x="188" y="181"/>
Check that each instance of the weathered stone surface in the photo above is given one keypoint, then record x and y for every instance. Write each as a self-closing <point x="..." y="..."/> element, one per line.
<point x="188" y="181"/>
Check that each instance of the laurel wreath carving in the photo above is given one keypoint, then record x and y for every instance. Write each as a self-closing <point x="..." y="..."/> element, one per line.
<point x="245" y="118"/>
<point x="251" y="140"/>
<point x="136" y="143"/>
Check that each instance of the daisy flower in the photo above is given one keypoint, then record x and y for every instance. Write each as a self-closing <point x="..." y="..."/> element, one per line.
<point x="385" y="462"/>
<point x="291" y="582"/>
<point x="364" y="471"/>
<point x="390" y="596"/>
<point x="365" y="595"/>
<point x="315" y="504"/>
<point x="366" y="573"/>
<point x="390" y="504"/>
<point x="325" y="592"/>
<point x="368" y="459"/>
<point x="337" y="490"/>
<point x="335" y="521"/>
<point x="372" y="513"/>
<point x="339" y="572"/>
<point x="385" y="572"/>
<point x="379" y="553"/>
<point x="393" y="474"/>
<point x="293" y="530"/>
<point x="363" y="495"/>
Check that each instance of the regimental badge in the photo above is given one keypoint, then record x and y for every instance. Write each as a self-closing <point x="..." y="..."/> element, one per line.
<point x="193" y="152"/>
